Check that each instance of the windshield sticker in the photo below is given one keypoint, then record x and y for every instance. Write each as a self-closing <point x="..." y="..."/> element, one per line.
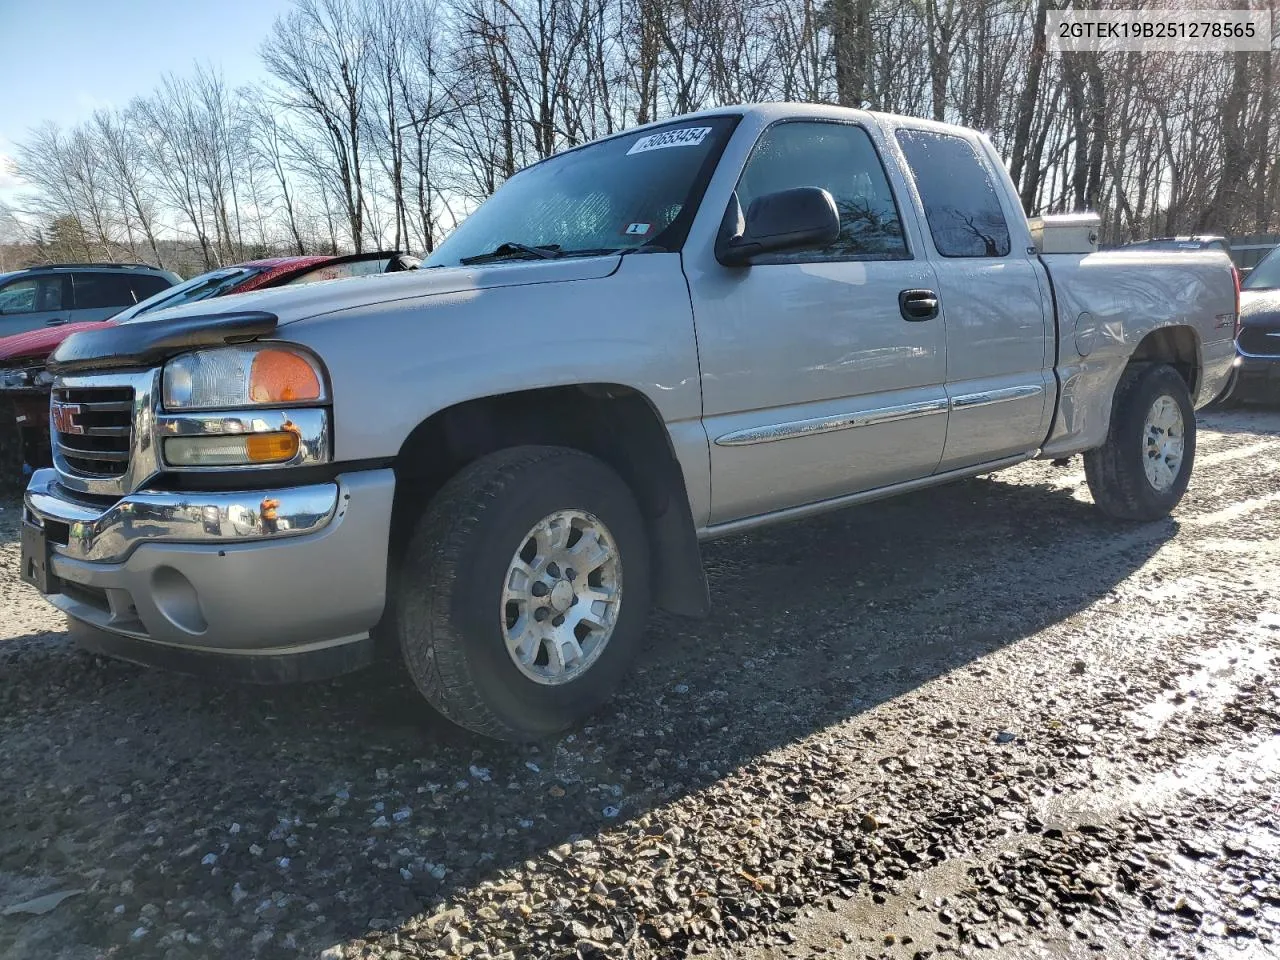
<point x="636" y="229"/>
<point x="684" y="137"/>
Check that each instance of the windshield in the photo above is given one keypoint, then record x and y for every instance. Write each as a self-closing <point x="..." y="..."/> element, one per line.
<point x="212" y="284"/>
<point x="1266" y="275"/>
<point x="628" y="192"/>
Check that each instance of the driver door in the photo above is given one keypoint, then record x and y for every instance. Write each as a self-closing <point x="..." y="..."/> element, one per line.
<point x="815" y="382"/>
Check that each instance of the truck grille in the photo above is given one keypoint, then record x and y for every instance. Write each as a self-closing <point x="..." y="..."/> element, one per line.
<point x="1260" y="341"/>
<point x="93" y="429"/>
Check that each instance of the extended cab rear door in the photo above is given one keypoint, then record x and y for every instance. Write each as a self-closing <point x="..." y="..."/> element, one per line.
<point x="996" y="308"/>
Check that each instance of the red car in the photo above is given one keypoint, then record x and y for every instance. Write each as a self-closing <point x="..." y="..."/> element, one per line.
<point x="25" y="385"/>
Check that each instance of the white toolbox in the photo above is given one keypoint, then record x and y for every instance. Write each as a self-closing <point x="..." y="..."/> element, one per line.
<point x="1066" y="233"/>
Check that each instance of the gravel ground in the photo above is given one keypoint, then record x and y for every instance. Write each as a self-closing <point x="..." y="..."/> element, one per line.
<point x="978" y="719"/>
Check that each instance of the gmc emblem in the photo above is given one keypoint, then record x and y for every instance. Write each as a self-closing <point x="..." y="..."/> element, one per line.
<point x="63" y="417"/>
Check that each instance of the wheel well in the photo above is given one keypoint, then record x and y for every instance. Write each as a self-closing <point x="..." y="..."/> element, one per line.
<point x="615" y="423"/>
<point x="1177" y="346"/>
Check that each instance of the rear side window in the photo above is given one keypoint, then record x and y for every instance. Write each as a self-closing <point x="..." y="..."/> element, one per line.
<point x="99" y="290"/>
<point x="839" y="158"/>
<point x="960" y="202"/>
<point x="146" y="285"/>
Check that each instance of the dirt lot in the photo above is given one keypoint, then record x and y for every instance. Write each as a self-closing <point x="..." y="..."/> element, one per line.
<point x="976" y="720"/>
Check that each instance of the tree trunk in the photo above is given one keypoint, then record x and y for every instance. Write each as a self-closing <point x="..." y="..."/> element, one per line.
<point x="1220" y="212"/>
<point x="1027" y="105"/>
<point x="851" y="44"/>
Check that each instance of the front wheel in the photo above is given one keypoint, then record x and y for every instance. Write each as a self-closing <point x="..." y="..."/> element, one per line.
<point x="1143" y="468"/>
<point x="524" y="592"/>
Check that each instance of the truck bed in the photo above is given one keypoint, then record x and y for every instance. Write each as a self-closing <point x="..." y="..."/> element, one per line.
<point x="1107" y="303"/>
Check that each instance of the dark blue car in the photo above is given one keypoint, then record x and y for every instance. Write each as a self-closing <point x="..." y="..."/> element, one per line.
<point x="1257" y="371"/>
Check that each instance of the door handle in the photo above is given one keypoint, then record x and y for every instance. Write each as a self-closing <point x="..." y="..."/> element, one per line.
<point x="55" y="321"/>
<point x="918" y="305"/>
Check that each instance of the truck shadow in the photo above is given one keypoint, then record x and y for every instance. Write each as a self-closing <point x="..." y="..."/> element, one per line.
<point x="383" y="810"/>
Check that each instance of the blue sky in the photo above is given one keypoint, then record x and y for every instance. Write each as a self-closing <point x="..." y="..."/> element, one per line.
<point x="62" y="59"/>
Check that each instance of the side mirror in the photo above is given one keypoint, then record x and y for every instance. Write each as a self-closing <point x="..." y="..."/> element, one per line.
<point x="785" y="220"/>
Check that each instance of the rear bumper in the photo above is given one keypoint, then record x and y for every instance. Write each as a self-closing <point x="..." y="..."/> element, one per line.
<point x="201" y="582"/>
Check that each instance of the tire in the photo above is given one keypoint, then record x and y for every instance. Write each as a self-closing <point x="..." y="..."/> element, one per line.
<point x="453" y="614"/>
<point x="1117" y="471"/>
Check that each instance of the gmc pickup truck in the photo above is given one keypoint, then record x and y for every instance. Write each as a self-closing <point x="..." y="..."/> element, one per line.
<point x="498" y="463"/>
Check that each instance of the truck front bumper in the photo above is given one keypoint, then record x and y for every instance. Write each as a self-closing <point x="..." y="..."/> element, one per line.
<point x="218" y="582"/>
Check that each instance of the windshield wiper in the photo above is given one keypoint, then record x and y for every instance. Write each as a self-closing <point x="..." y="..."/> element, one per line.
<point x="619" y="251"/>
<point x="511" y="250"/>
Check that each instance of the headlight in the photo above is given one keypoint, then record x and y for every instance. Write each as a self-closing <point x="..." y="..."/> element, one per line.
<point x="242" y="376"/>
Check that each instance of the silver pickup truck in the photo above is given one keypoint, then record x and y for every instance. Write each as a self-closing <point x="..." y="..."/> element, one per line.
<point x="500" y="462"/>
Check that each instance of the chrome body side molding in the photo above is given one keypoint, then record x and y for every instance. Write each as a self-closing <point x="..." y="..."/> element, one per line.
<point x="987" y="398"/>
<point x="843" y="421"/>
<point x="870" y="418"/>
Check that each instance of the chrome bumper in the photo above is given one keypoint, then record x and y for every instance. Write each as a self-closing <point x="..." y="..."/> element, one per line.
<point x="207" y="574"/>
<point x="105" y="535"/>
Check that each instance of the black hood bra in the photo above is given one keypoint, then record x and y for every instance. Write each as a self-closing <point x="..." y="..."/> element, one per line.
<point x="144" y="344"/>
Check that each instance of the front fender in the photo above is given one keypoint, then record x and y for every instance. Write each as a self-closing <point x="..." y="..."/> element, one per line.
<point x="394" y="364"/>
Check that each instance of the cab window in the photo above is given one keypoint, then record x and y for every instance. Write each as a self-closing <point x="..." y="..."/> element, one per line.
<point x="841" y="159"/>
<point x="960" y="201"/>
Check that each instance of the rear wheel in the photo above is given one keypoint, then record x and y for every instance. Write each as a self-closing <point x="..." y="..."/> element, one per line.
<point x="524" y="592"/>
<point x="1143" y="468"/>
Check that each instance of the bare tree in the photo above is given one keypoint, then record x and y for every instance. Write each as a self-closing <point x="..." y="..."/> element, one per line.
<point x="268" y="141"/>
<point x="126" y="172"/>
<point x="169" y="124"/>
<point x="320" y="57"/>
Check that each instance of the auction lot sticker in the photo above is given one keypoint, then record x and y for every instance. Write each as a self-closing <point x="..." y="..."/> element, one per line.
<point x="1145" y="31"/>
<point x="683" y="137"/>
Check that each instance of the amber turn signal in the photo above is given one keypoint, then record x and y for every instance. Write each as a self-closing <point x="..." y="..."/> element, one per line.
<point x="271" y="447"/>
<point x="282" y="376"/>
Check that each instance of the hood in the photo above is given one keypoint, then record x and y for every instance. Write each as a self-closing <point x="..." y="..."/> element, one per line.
<point x="291" y="304"/>
<point x="38" y="344"/>
<point x="1257" y="306"/>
